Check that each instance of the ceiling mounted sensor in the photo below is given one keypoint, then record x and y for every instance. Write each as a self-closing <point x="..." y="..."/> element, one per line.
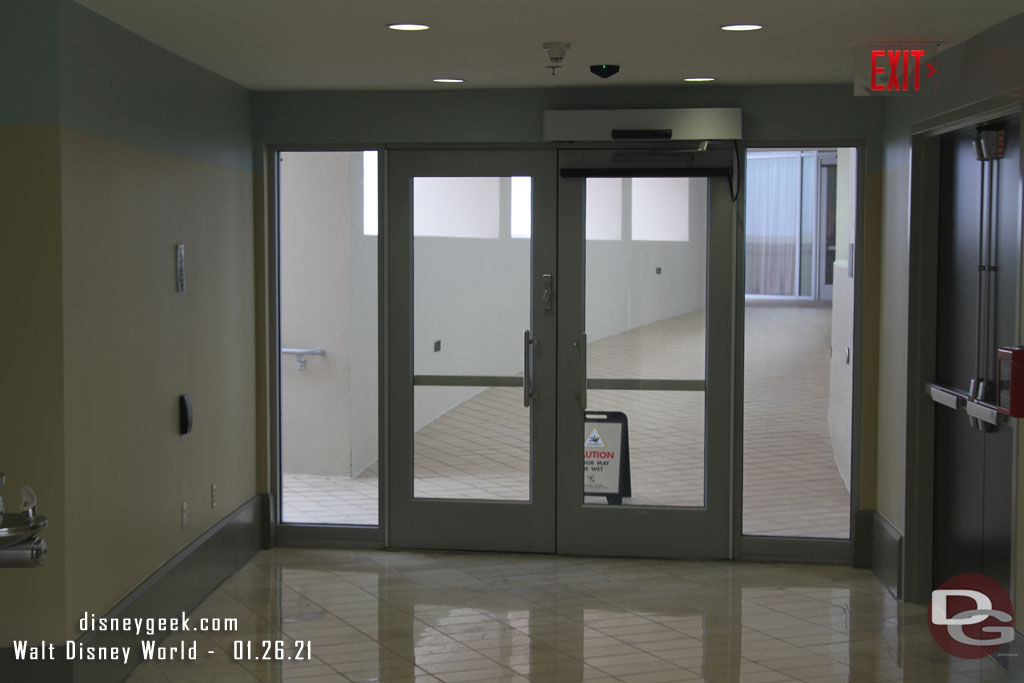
<point x="604" y="70"/>
<point x="556" y="55"/>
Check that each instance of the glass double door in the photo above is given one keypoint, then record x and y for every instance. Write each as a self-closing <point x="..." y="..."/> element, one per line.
<point x="559" y="355"/>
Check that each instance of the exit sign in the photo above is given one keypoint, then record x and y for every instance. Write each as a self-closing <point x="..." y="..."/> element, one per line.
<point x="894" y="70"/>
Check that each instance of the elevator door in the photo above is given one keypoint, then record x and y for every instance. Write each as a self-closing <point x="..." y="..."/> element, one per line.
<point x="976" y="314"/>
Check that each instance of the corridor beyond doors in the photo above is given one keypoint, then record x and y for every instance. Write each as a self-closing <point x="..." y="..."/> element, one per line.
<point x="795" y="465"/>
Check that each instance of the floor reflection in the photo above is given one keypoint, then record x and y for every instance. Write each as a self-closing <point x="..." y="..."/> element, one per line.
<point x="402" y="617"/>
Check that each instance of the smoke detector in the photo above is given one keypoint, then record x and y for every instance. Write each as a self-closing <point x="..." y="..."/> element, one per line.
<point x="556" y="51"/>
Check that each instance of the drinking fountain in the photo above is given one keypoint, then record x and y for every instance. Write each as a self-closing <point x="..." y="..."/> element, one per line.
<point x="19" y="545"/>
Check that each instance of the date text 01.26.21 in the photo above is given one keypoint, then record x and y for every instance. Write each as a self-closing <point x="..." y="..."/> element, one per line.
<point x="275" y="650"/>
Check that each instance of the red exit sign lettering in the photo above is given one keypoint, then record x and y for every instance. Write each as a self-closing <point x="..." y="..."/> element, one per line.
<point x="884" y="70"/>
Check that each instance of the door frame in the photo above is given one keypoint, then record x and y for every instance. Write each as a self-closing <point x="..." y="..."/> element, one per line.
<point x="517" y="526"/>
<point x="267" y="249"/>
<point x="820" y="290"/>
<point x="858" y="548"/>
<point x="649" y="531"/>
<point x="913" y="571"/>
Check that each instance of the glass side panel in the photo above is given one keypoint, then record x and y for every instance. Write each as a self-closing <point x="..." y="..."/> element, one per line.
<point x="328" y="283"/>
<point x="471" y="299"/>
<point x="797" y="374"/>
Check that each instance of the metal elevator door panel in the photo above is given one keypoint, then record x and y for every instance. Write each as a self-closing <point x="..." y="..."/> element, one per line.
<point x="973" y="469"/>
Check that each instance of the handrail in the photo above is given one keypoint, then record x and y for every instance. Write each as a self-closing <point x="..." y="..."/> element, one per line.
<point x="300" y="355"/>
<point x="304" y="352"/>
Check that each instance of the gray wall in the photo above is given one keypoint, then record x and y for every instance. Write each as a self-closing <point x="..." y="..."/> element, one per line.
<point x="510" y="115"/>
<point x="29" y="62"/>
<point x="117" y="85"/>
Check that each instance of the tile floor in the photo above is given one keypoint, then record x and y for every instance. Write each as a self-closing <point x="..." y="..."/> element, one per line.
<point x="399" y="617"/>
<point x="792" y="486"/>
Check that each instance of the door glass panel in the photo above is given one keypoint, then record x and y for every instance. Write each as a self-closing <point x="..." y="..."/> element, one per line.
<point x="645" y="302"/>
<point x="471" y="443"/>
<point x="471" y="299"/>
<point x="328" y="305"/>
<point x="666" y="445"/>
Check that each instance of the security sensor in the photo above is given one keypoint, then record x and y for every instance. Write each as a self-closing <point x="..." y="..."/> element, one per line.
<point x="604" y="70"/>
<point x="556" y="51"/>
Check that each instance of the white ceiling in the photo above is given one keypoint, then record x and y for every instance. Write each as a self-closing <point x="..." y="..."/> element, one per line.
<point x="343" y="44"/>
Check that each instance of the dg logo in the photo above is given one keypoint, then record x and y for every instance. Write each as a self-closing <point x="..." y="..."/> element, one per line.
<point x="971" y="616"/>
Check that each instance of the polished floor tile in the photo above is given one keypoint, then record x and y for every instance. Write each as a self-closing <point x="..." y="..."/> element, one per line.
<point x="396" y="617"/>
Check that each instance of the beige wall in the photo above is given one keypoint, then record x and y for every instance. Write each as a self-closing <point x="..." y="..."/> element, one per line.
<point x="31" y="391"/>
<point x="132" y="345"/>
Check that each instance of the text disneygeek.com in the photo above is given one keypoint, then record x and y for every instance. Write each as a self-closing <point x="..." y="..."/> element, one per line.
<point x="157" y="649"/>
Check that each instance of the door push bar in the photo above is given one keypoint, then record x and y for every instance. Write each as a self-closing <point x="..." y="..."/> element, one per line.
<point x="957" y="399"/>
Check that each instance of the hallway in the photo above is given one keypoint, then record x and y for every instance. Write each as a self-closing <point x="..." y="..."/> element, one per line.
<point x="792" y="486"/>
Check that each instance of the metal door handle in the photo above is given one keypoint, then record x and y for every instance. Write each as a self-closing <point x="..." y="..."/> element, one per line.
<point x="583" y="371"/>
<point x="527" y="369"/>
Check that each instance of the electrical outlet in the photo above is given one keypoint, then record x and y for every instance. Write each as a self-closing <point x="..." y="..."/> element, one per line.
<point x="437" y="346"/>
<point x="213" y="495"/>
<point x="184" y="515"/>
<point x="657" y="270"/>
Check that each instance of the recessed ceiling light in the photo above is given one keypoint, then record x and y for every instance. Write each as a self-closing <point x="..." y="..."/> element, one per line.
<point x="699" y="79"/>
<point x="408" y="27"/>
<point x="449" y="80"/>
<point x="742" y="27"/>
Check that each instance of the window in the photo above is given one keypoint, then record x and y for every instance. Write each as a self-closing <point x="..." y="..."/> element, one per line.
<point x="604" y="208"/>
<point x="661" y="209"/>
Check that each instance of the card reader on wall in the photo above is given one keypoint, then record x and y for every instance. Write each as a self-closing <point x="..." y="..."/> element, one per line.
<point x="184" y="414"/>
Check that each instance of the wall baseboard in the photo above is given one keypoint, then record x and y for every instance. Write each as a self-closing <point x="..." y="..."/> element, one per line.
<point x="178" y="586"/>
<point x="863" y="535"/>
<point x="887" y="554"/>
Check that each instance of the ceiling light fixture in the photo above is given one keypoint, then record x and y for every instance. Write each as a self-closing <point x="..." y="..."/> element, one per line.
<point x="408" y="27"/>
<point x="449" y="80"/>
<point x="742" y="27"/>
<point x="699" y="79"/>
